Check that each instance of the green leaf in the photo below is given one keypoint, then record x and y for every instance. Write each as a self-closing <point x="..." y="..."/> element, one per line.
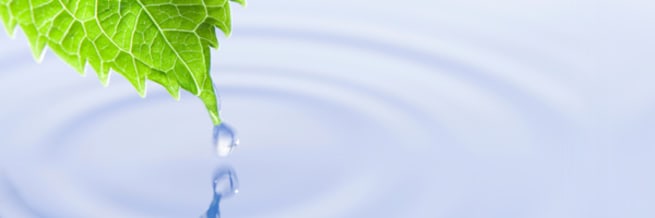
<point x="165" y="41"/>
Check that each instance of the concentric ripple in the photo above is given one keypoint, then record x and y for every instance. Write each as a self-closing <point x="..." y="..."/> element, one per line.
<point x="331" y="125"/>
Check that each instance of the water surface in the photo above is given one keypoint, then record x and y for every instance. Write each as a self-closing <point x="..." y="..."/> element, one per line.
<point x="428" y="109"/>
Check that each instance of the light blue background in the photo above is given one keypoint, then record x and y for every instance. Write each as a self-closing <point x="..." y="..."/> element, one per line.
<point x="417" y="108"/>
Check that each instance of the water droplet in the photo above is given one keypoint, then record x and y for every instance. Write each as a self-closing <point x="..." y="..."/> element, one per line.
<point x="224" y="139"/>
<point x="225" y="185"/>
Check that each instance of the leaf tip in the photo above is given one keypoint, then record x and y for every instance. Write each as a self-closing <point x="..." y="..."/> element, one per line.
<point x="8" y="22"/>
<point x="82" y="68"/>
<point x="39" y="54"/>
<point x="142" y="89"/>
<point x="210" y="100"/>
<point x="243" y="3"/>
<point x="215" y="119"/>
<point x="10" y="32"/>
<point x="175" y="94"/>
<point x="103" y="75"/>
<point x="174" y="91"/>
<point x="105" y="82"/>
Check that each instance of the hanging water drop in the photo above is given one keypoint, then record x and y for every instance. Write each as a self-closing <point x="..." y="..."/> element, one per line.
<point x="224" y="139"/>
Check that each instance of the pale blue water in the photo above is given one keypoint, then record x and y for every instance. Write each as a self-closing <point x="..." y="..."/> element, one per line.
<point x="419" y="109"/>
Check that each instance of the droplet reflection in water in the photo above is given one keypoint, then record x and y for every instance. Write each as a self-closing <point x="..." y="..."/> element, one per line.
<point x="224" y="139"/>
<point x="225" y="185"/>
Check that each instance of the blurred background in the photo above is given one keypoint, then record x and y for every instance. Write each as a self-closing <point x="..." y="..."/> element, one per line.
<point x="362" y="108"/>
